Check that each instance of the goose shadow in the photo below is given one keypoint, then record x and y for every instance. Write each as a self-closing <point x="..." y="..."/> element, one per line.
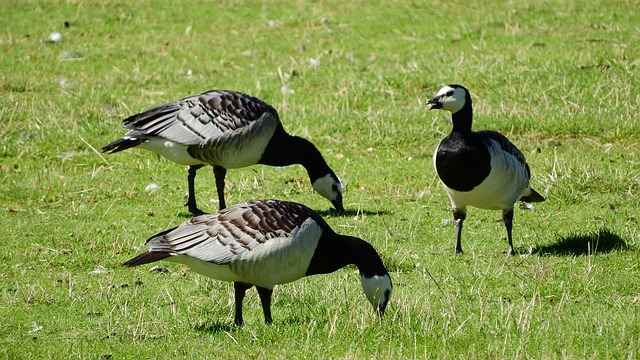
<point x="350" y="212"/>
<point x="602" y="241"/>
<point x="215" y="327"/>
<point x="324" y="213"/>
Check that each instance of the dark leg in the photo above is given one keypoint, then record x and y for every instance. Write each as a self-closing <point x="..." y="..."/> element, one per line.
<point x="507" y="217"/>
<point x="265" y="299"/>
<point x="459" y="216"/>
<point x="240" y="290"/>
<point x="191" y="199"/>
<point x="220" y="172"/>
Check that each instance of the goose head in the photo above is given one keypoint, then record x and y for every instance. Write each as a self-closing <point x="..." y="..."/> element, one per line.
<point x="378" y="291"/>
<point x="330" y="187"/>
<point x="451" y="98"/>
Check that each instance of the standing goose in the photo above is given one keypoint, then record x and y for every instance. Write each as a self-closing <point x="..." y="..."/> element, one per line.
<point x="482" y="169"/>
<point x="267" y="243"/>
<point x="224" y="129"/>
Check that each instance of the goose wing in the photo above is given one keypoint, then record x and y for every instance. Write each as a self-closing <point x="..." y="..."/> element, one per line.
<point x="222" y="237"/>
<point x="196" y="118"/>
<point x="508" y="147"/>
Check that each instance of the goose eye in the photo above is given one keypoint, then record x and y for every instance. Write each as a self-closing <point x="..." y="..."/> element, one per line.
<point x="449" y="93"/>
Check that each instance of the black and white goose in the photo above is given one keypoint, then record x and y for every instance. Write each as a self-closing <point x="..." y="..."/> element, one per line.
<point x="224" y="129"/>
<point x="482" y="169"/>
<point x="267" y="243"/>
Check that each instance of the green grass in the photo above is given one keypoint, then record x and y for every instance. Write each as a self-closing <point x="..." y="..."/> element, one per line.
<point x="560" y="78"/>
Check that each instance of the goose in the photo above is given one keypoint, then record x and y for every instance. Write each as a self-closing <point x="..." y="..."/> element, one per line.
<point x="267" y="243"/>
<point x="481" y="169"/>
<point x="224" y="129"/>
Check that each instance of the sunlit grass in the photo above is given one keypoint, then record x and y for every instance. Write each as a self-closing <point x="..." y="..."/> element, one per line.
<point x="559" y="78"/>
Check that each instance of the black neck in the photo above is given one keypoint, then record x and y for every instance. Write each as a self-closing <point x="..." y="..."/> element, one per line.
<point x="462" y="119"/>
<point x="337" y="251"/>
<point x="284" y="149"/>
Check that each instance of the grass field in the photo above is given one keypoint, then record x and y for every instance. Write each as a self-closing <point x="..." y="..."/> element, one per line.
<point x="559" y="78"/>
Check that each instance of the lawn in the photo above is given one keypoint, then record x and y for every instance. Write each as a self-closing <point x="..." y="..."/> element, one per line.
<point x="559" y="78"/>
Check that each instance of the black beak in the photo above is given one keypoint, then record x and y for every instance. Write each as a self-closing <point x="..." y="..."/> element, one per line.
<point x="337" y="203"/>
<point x="434" y="103"/>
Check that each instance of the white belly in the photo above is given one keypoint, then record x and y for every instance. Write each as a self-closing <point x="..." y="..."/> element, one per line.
<point x="280" y="260"/>
<point x="170" y="150"/>
<point x="277" y="261"/>
<point x="214" y="271"/>
<point x="507" y="182"/>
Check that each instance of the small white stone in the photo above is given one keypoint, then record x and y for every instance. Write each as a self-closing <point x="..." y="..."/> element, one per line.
<point x="314" y="62"/>
<point x="526" y="206"/>
<point x="55" y="37"/>
<point x="68" y="156"/>
<point x="274" y="24"/>
<point x="448" y="221"/>
<point x="286" y="90"/>
<point x="151" y="188"/>
<point x="35" y="328"/>
<point x="99" y="270"/>
<point x="64" y="83"/>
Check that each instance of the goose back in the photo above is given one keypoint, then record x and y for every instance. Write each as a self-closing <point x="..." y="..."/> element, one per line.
<point x="218" y="127"/>
<point x="263" y="243"/>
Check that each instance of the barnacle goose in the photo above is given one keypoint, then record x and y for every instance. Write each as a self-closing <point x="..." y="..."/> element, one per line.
<point x="267" y="243"/>
<point x="224" y="129"/>
<point x="482" y="169"/>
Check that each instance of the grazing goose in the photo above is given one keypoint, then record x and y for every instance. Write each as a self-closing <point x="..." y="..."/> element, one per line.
<point x="482" y="169"/>
<point x="267" y="243"/>
<point x="224" y="129"/>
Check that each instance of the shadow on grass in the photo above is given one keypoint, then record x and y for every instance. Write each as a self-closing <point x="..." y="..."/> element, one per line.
<point x="324" y="213"/>
<point x="297" y="320"/>
<point x="603" y="241"/>
<point x="350" y="212"/>
<point x="215" y="327"/>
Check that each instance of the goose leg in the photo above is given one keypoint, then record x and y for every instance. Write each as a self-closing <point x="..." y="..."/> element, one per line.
<point x="240" y="290"/>
<point x="191" y="199"/>
<point x="507" y="217"/>
<point x="220" y="172"/>
<point x="459" y="216"/>
<point x="265" y="299"/>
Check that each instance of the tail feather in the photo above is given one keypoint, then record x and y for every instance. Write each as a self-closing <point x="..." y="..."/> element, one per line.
<point x="534" y="196"/>
<point x="146" y="258"/>
<point x="121" y="144"/>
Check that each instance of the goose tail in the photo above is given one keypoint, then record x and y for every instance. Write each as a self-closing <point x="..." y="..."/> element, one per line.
<point x="533" y="196"/>
<point x="146" y="258"/>
<point x="121" y="144"/>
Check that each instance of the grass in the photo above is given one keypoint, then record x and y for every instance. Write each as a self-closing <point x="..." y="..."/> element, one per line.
<point x="559" y="78"/>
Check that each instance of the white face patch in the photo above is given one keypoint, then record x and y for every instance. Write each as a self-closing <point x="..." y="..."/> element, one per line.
<point x="328" y="186"/>
<point x="378" y="290"/>
<point x="452" y="99"/>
